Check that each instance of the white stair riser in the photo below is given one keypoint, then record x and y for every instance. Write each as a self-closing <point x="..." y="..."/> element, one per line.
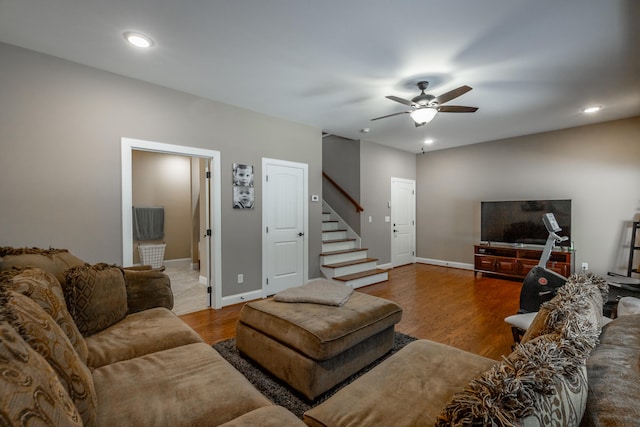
<point x="326" y="217"/>
<point x="349" y="269"/>
<point x="349" y="256"/>
<point x="327" y="226"/>
<point x="334" y="235"/>
<point x="338" y="246"/>
<point x="369" y="280"/>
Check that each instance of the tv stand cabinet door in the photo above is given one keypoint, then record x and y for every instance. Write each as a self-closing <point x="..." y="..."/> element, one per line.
<point x="507" y="266"/>
<point x="485" y="263"/>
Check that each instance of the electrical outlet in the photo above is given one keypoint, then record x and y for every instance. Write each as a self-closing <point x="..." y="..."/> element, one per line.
<point x="585" y="266"/>
<point x="240" y="278"/>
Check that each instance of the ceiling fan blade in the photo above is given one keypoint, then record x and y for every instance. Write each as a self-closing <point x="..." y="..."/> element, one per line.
<point x="391" y="115"/>
<point x="457" y="109"/>
<point x="446" y="97"/>
<point x="400" y="100"/>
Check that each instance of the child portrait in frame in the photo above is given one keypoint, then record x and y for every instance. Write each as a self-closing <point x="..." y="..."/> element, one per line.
<point x="243" y="195"/>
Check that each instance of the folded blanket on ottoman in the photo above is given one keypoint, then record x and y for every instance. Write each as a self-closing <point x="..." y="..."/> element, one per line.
<point x="319" y="291"/>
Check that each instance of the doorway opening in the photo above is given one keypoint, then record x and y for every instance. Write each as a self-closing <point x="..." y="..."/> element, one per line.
<point x="204" y="246"/>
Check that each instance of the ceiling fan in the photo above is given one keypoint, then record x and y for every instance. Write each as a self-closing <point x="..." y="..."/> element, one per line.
<point x="424" y="107"/>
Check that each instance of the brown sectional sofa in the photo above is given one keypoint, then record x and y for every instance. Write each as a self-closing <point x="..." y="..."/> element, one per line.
<point x="148" y="368"/>
<point x="109" y="352"/>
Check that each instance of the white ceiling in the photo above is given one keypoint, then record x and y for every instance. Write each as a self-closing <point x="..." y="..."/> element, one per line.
<point x="533" y="64"/>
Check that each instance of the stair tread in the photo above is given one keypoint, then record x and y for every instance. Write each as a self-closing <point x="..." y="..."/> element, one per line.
<point x="333" y="231"/>
<point x="330" y="221"/>
<point x="360" y="275"/>
<point x="344" y="251"/>
<point x="338" y="240"/>
<point x="348" y="263"/>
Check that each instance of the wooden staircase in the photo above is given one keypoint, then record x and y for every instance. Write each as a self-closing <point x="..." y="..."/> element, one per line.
<point x="342" y="259"/>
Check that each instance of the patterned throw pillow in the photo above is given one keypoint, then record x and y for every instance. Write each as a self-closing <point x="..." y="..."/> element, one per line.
<point x="44" y="335"/>
<point x="96" y="296"/>
<point x="44" y="288"/>
<point x="31" y="392"/>
<point x="55" y="261"/>
<point x="541" y="383"/>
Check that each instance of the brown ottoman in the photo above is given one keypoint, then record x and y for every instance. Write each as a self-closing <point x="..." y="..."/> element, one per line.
<point x="313" y="347"/>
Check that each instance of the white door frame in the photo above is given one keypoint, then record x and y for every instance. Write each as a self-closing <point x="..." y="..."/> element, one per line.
<point x="413" y="215"/>
<point x="305" y="192"/>
<point x="215" y="256"/>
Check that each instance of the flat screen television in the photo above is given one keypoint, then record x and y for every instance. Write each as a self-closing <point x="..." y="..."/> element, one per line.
<point x="519" y="222"/>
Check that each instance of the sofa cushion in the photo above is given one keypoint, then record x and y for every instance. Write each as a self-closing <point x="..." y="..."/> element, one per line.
<point x="138" y="334"/>
<point x="614" y="375"/>
<point x="42" y="287"/>
<point x="96" y="296"/>
<point x="267" y="416"/>
<point x="55" y="261"/>
<point x="44" y="335"/>
<point x="147" y="289"/>
<point x="191" y="385"/>
<point x="31" y="392"/>
<point x="540" y="383"/>
<point x="319" y="331"/>
<point x="410" y="388"/>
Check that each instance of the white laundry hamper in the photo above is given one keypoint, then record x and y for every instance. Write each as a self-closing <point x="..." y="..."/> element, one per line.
<point x="152" y="254"/>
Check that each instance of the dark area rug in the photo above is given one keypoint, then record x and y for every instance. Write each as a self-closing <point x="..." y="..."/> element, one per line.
<point x="280" y="393"/>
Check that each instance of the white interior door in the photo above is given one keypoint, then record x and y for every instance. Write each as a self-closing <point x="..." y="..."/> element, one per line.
<point x="403" y="224"/>
<point x="285" y="225"/>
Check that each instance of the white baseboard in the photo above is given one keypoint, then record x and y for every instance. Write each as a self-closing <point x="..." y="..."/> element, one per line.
<point x="386" y="266"/>
<point x="247" y="296"/>
<point x="460" y="265"/>
<point x="202" y="280"/>
<point x="169" y="261"/>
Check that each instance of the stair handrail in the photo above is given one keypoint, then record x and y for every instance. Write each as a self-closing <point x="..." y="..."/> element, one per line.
<point x="343" y="192"/>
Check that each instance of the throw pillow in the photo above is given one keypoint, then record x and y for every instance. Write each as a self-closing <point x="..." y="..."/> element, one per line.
<point x="44" y="335"/>
<point x="96" y="296"/>
<point x="55" y="261"/>
<point x="540" y="384"/>
<point x="147" y="289"/>
<point x="44" y="288"/>
<point x="31" y="392"/>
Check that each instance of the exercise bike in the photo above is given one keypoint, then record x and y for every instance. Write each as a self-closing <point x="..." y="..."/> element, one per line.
<point x="541" y="284"/>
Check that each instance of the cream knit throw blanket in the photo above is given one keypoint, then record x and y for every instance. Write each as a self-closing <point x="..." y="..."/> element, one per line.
<point x="319" y="291"/>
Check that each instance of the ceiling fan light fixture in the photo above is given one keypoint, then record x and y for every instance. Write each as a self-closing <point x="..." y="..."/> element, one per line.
<point x="423" y="115"/>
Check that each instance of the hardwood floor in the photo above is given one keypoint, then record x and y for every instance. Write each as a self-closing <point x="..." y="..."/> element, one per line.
<point x="446" y="305"/>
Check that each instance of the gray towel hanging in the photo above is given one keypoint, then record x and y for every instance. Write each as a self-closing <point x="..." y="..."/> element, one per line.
<point x="148" y="223"/>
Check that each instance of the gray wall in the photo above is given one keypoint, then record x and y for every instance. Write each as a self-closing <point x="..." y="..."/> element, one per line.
<point x="60" y="130"/>
<point x="596" y="166"/>
<point x="379" y="164"/>
<point x="341" y="161"/>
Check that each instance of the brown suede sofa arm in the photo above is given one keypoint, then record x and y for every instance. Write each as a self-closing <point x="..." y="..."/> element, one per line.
<point x="147" y="289"/>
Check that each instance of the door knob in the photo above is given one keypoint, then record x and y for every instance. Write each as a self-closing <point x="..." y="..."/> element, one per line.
<point x="300" y="234"/>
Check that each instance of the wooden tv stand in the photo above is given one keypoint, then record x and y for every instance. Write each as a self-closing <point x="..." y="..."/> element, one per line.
<point x="516" y="261"/>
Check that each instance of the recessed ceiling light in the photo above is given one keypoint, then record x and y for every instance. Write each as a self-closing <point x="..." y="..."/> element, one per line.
<point x="428" y="141"/>
<point x="138" y="39"/>
<point x="592" y="109"/>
